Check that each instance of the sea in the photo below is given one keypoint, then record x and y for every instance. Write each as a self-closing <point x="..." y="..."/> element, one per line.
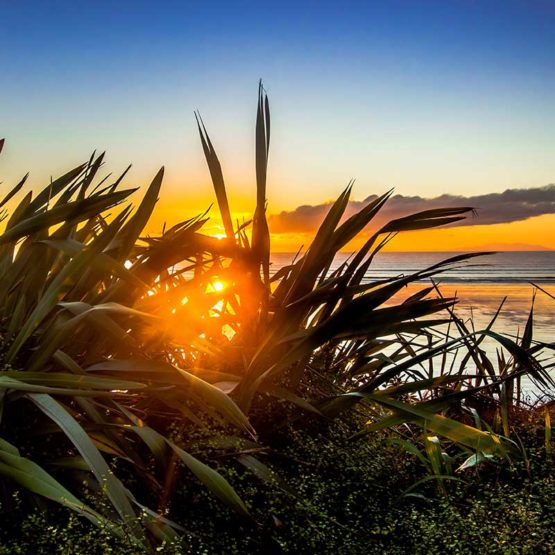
<point x="480" y="286"/>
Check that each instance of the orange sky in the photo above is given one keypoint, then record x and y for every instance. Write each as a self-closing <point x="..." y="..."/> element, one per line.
<point x="537" y="233"/>
<point x="532" y="234"/>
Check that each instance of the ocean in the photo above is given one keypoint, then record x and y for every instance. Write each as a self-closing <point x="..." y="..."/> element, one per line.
<point x="480" y="285"/>
<point x="521" y="267"/>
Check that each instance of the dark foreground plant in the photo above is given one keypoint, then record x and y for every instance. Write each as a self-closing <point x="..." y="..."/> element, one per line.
<point x="71" y="277"/>
<point x="310" y="324"/>
<point x="118" y="347"/>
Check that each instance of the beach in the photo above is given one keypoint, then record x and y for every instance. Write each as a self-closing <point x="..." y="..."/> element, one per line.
<point x="479" y="285"/>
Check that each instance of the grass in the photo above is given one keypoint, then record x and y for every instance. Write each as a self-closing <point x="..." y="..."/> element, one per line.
<point x="143" y="374"/>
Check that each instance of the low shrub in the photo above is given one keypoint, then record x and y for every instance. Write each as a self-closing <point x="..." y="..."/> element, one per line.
<point x="333" y="495"/>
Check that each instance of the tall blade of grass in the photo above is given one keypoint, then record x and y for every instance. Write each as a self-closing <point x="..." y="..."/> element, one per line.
<point x="92" y="169"/>
<point x="344" y="325"/>
<point x="474" y="460"/>
<point x="261" y="233"/>
<point x="433" y="450"/>
<point x="505" y="401"/>
<point x="411" y="448"/>
<point x="306" y="270"/>
<point x="77" y="211"/>
<point x="427" y="219"/>
<point x="103" y="262"/>
<point x="206" y="391"/>
<point x="213" y="480"/>
<point x="221" y="401"/>
<point x="14" y="191"/>
<point x="528" y="363"/>
<point x="126" y="238"/>
<point x="527" y="336"/>
<point x="99" y="319"/>
<point x="217" y="178"/>
<point x="34" y="478"/>
<point x="55" y="188"/>
<point x="441" y="425"/>
<point x="81" y="381"/>
<point x="83" y="443"/>
<point x="51" y="296"/>
<point x="10" y="383"/>
<point x="388" y="374"/>
<point x="547" y="432"/>
<point x="18" y="214"/>
<point x="356" y="223"/>
<point x="543" y="290"/>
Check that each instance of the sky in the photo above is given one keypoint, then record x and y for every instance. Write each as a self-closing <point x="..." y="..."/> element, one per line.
<point x="429" y="97"/>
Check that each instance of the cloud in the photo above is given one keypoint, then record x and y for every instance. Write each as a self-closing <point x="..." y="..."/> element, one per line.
<point x="509" y="206"/>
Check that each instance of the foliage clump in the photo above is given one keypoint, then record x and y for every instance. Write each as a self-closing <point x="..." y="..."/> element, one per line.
<point x="336" y="496"/>
<point x="177" y="394"/>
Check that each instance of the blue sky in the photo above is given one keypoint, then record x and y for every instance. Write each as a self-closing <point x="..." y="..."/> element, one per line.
<point x="429" y="97"/>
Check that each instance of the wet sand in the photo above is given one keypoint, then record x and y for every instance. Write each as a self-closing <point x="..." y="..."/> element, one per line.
<point x="481" y="300"/>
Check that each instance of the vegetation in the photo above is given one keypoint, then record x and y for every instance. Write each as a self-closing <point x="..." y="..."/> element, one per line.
<point x="341" y="496"/>
<point x="172" y="389"/>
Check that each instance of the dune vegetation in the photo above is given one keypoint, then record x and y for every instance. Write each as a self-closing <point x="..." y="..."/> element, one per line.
<point x="173" y="393"/>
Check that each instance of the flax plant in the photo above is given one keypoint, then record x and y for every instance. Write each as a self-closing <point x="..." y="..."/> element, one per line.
<point x="108" y="335"/>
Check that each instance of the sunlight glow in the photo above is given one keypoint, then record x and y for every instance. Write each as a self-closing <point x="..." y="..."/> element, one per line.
<point x="218" y="307"/>
<point x="228" y="331"/>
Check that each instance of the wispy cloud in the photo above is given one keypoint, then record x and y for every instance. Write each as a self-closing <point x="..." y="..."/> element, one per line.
<point x="494" y="208"/>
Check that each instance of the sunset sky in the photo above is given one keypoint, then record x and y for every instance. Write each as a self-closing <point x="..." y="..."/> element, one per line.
<point x="429" y="97"/>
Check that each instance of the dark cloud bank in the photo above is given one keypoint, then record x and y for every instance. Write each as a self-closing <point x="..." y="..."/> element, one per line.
<point x="494" y="208"/>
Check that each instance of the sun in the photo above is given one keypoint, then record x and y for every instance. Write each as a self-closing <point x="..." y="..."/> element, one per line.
<point x="218" y="285"/>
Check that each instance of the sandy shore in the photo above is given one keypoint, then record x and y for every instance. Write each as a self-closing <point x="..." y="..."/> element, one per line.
<point x="481" y="300"/>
